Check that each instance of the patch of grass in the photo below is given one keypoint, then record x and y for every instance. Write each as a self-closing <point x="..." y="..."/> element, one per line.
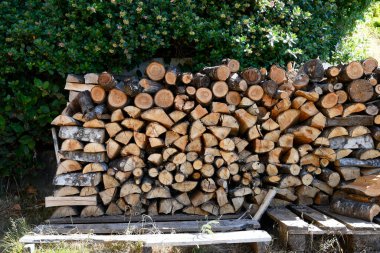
<point x="10" y="242"/>
<point x="90" y="247"/>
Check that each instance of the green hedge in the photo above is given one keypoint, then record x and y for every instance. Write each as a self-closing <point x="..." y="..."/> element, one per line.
<point x="42" y="41"/>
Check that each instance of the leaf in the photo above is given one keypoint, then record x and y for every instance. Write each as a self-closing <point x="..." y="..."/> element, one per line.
<point x="27" y="140"/>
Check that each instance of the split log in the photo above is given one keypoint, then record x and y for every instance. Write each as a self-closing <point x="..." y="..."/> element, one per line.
<point x="155" y="71"/>
<point x="314" y="69"/>
<point x="288" y="118"/>
<point x="328" y="101"/>
<point x="364" y="141"/>
<point x="95" y="167"/>
<point x="68" y="166"/>
<point x="200" y="80"/>
<point x="82" y="134"/>
<point x="81" y="103"/>
<point x="348" y="173"/>
<point x="94" y="148"/>
<point x="360" y="210"/>
<point x="66" y="191"/>
<point x="236" y="83"/>
<point x="107" y="195"/>
<point x="164" y="98"/>
<point x="351" y="71"/>
<point x="116" y="99"/>
<point x="106" y="81"/>
<point x="128" y="163"/>
<point x="360" y="120"/>
<point x="203" y="96"/>
<point x="149" y="86"/>
<point x="65" y="211"/>
<point x="78" y="179"/>
<point x="143" y="101"/>
<point x="157" y="115"/>
<point x="251" y="76"/>
<point x="360" y="91"/>
<point x="171" y="75"/>
<point x="371" y="163"/>
<point x="63" y="120"/>
<point x="92" y="211"/>
<point x="232" y="64"/>
<point x="353" y="108"/>
<point x="219" y="89"/>
<point x="186" y="78"/>
<point x="277" y="74"/>
<point x="117" y="115"/>
<point x="84" y="157"/>
<point x="330" y="177"/>
<point x="185" y="186"/>
<point x="218" y="73"/>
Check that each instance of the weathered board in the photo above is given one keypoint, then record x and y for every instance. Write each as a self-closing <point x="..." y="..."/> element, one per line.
<point x="70" y="201"/>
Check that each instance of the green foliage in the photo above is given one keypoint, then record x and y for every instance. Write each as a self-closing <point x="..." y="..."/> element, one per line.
<point x="45" y="40"/>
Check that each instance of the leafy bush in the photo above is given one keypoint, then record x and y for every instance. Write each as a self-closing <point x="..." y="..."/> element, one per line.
<point x="45" y="40"/>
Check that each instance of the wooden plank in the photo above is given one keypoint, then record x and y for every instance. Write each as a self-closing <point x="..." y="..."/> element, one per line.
<point x="267" y="200"/>
<point x="82" y="134"/>
<point x="78" y="179"/>
<point x="155" y="218"/>
<point x="78" y="86"/>
<point x="206" y="239"/>
<point x="58" y="156"/>
<point x="351" y="223"/>
<point x="357" y="120"/>
<point x="98" y="157"/>
<point x="165" y="227"/>
<point x="70" y="201"/>
<point x="157" y="239"/>
<point x="318" y="219"/>
<point x="292" y="222"/>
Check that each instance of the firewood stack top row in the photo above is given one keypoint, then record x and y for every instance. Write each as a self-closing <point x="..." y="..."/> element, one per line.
<point x="214" y="142"/>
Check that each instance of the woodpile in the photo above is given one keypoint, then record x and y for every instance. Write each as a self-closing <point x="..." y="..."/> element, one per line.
<point x="214" y="142"/>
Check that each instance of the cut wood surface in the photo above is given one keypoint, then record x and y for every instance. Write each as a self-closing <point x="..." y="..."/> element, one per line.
<point x="367" y="185"/>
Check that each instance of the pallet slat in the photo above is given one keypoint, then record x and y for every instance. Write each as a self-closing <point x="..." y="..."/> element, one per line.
<point x="70" y="201"/>
<point x="155" y="218"/>
<point x="351" y="223"/>
<point x="150" y="240"/>
<point x="320" y="220"/>
<point x="165" y="227"/>
<point x="292" y="222"/>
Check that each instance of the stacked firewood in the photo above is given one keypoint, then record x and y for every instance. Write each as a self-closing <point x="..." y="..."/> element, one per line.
<point x="214" y="142"/>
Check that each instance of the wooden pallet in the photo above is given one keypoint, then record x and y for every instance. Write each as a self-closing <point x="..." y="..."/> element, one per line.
<point x="300" y="226"/>
<point x="186" y="228"/>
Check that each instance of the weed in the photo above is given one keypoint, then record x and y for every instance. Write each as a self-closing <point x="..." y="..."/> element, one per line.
<point x="207" y="228"/>
<point x="10" y="243"/>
